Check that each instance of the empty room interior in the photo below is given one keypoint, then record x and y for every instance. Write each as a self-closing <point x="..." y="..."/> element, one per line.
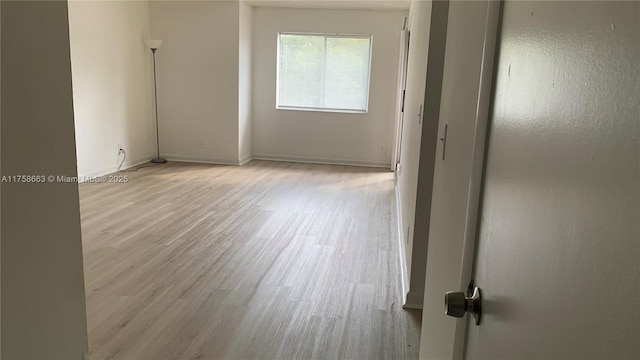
<point x="266" y="223"/>
<point x="318" y="179"/>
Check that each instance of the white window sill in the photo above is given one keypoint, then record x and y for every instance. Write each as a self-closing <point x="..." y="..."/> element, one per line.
<point x="289" y="108"/>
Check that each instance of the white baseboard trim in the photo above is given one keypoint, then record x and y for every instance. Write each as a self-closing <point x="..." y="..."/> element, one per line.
<point x="313" y="160"/>
<point x="402" y="254"/>
<point x="414" y="300"/>
<point x="245" y="160"/>
<point x="195" y="159"/>
<point x="127" y="164"/>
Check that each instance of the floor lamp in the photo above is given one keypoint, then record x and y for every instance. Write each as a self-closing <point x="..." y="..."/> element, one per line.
<point x="154" y="45"/>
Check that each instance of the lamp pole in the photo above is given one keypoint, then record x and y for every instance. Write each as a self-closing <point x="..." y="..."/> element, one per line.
<point x="157" y="159"/>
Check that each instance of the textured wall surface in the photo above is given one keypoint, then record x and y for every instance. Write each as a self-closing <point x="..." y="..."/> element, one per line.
<point x="559" y="235"/>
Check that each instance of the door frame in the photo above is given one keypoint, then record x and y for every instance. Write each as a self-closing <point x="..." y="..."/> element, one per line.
<point x="403" y="63"/>
<point x="483" y="109"/>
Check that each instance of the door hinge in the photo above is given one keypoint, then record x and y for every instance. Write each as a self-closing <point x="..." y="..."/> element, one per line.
<point x="444" y="141"/>
<point x="404" y="93"/>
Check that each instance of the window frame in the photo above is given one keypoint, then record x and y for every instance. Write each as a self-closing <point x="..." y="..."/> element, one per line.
<point x="324" y="109"/>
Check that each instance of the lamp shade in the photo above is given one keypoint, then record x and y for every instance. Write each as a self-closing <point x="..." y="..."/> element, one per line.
<point x="153" y="44"/>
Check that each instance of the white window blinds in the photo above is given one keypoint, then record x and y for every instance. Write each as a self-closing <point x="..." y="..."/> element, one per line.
<point x="324" y="72"/>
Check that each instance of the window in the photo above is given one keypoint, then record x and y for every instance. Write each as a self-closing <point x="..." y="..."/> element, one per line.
<point x="323" y="72"/>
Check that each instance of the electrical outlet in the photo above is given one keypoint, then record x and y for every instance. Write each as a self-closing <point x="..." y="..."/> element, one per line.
<point x="120" y="149"/>
<point x="381" y="148"/>
<point x="201" y="144"/>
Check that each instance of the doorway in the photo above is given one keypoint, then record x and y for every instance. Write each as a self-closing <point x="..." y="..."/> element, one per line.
<point x="401" y="92"/>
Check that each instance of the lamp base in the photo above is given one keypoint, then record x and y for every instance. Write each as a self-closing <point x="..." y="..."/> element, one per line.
<point x="158" y="160"/>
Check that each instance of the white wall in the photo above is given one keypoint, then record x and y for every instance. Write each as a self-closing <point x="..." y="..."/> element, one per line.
<point x="198" y="81"/>
<point x="407" y="180"/>
<point x="245" y="39"/>
<point x="43" y="305"/>
<point x="324" y="136"/>
<point x="112" y="84"/>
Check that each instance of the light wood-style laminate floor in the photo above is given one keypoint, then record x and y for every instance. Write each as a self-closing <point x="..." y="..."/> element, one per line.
<point x="270" y="260"/>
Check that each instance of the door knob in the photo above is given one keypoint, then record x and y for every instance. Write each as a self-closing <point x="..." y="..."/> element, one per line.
<point x="456" y="304"/>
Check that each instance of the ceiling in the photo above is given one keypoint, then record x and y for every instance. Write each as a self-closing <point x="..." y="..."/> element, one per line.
<point x="335" y="4"/>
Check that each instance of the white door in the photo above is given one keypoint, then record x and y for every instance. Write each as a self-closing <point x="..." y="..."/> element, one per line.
<point x="558" y="251"/>
<point x="401" y="90"/>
